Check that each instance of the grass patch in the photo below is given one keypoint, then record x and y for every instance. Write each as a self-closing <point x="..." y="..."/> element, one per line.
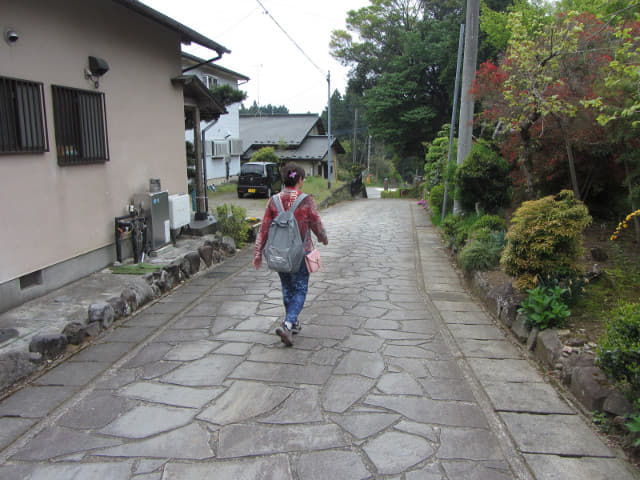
<point x="317" y="187"/>
<point x="136" y="268"/>
<point x="619" y="283"/>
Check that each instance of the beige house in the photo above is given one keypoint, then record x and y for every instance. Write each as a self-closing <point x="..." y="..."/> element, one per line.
<point x="92" y="101"/>
<point x="299" y="138"/>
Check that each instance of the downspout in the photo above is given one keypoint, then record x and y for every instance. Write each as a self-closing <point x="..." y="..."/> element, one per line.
<point x="206" y="62"/>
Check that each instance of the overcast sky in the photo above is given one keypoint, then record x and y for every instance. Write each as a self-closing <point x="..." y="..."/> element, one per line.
<point x="280" y="74"/>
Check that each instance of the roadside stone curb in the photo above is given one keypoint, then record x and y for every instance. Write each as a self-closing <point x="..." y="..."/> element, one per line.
<point x="573" y="366"/>
<point x="101" y="315"/>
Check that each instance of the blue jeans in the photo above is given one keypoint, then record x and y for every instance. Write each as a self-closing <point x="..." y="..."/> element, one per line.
<point x="294" y="292"/>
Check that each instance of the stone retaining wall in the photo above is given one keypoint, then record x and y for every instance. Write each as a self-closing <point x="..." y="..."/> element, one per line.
<point x="571" y="361"/>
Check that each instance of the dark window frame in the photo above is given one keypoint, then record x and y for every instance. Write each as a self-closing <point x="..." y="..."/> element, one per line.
<point x="23" y="124"/>
<point x="80" y="121"/>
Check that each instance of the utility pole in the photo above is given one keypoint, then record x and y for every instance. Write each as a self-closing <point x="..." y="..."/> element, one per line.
<point x="452" y="130"/>
<point x="329" y="166"/>
<point x="368" y="153"/>
<point x="355" y="129"/>
<point x="468" y="75"/>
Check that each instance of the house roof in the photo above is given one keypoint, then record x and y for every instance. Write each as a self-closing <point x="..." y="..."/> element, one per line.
<point x="214" y="68"/>
<point x="278" y="129"/>
<point x="187" y="35"/>
<point x="314" y="147"/>
<point x="194" y="89"/>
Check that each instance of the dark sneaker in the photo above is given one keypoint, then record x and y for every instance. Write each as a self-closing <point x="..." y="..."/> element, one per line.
<point x="295" y="329"/>
<point x="285" y="335"/>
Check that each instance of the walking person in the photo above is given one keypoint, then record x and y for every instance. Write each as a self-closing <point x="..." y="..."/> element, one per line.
<point x="294" y="285"/>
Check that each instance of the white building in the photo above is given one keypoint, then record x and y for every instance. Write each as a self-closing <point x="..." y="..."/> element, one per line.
<point x="222" y="146"/>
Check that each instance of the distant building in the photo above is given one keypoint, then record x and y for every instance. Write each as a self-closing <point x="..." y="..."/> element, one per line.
<point x="223" y="145"/>
<point x="301" y="138"/>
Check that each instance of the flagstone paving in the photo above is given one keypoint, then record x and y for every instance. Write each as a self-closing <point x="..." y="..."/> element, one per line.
<point x="397" y="374"/>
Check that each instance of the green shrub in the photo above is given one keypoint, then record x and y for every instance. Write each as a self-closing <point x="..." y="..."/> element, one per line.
<point x="619" y="349"/>
<point x="436" y="197"/>
<point x="493" y="223"/>
<point x="545" y="238"/>
<point x="232" y="222"/>
<point x="457" y="229"/>
<point x="574" y="286"/>
<point x="482" y="254"/>
<point x="435" y="167"/>
<point x="544" y="307"/>
<point x="484" y="179"/>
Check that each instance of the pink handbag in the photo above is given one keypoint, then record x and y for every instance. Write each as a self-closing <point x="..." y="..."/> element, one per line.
<point x="312" y="259"/>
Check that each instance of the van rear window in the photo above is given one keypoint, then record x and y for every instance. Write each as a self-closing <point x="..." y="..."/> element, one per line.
<point x="248" y="168"/>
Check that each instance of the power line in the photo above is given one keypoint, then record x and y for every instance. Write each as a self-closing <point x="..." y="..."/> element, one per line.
<point x="290" y="37"/>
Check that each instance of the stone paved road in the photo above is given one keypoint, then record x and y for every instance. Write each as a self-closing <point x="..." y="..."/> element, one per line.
<point x="397" y="374"/>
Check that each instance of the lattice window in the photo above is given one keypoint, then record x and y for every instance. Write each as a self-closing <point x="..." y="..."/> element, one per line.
<point x="81" y="126"/>
<point x="23" y="126"/>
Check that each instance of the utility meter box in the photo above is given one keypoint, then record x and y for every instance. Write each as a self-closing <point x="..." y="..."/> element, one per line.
<point x="156" y="206"/>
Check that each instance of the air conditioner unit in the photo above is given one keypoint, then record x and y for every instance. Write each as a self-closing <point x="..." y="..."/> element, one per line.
<point x="220" y="149"/>
<point x="208" y="147"/>
<point x="236" y="146"/>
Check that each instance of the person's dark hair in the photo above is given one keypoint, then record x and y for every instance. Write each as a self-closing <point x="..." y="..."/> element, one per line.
<point x="291" y="174"/>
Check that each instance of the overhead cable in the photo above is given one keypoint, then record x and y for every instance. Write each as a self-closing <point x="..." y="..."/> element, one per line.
<point x="290" y="37"/>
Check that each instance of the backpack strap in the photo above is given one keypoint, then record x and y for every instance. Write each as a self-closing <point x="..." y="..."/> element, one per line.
<point x="278" y="202"/>
<point x="297" y="202"/>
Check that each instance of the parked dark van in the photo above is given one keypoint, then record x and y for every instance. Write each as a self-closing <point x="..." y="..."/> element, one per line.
<point x="259" y="178"/>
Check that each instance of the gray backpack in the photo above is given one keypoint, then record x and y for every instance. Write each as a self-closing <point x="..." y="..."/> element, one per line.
<point x="284" y="250"/>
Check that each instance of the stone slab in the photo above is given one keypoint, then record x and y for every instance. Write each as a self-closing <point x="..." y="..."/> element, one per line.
<point x="147" y="420"/>
<point x="395" y="452"/>
<point x="208" y="371"/>
<point x="475" y="470"/>
<point x="361" y="363"/>
<point x="96" y="410"/>
<point x="526" y="398"/>
<point x="498" y="349"/>
<point x="102" y="352"/>
<point x="11" y="428"/>
<point x="331" y="465"/>
<point x="65" y="471"/>
<point x="341" y="392"/>
<point x="282" y="373"/>
<point x="56" y="442"/>
<point x="476" y="332"/>
<point x="193" y="438"/>
<point x="468" y="444"/>
<point x="436" y="412"/>
<point x="264" y="468"/>
<point x="363" y="425"/>
<point x="553" y="467"/>
<point x="243" y="401"/>
<point x="469" y="318"/>
<point x="174" y="395"/>
<point x="245" y="440"/>
<point x="505" y="370"/>
<point x="554" y="434"/>
<point x="399" y="384"/>
<point x="72" y="373"/>
<point x="303" y="406"/>
<point x="35" y="401"/>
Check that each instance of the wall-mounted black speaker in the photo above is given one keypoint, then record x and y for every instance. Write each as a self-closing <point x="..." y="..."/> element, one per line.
<point x="98" y="66"/>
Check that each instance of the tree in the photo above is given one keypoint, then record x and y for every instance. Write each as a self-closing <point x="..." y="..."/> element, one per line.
<point x="403" y="68"/>
<point x="227" y="95"/>
<point x="257" y="110"/>
<point x="265" y="154"/>
<point x="539" y="86"/>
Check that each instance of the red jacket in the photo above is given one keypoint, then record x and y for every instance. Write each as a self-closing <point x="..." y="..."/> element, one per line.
<point x="306" y="215"/>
